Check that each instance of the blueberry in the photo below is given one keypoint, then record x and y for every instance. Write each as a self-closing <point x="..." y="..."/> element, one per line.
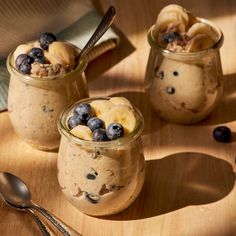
<point x="20" y="58"/>
<point x="170" y="90"/>
<point x="23" y="58"/>
<point x="46" y="39"/>
<point x="84" y="111"/>
<point x="92" y="198"/>
<point x="74" y="121"/>
<point x="161" y="75"/>
<point x="37" y="54"/>
<point x="100" y="135"/>
<point x="25" y="67"/>
<point x="115" y="131"/>
<point x="41" y="60"/>
<point x="95" y="123"/>
<point x="170" y="37"/>
<point x="91" y="176"/>
<point x="222" y="134"/>
<point x="175" y="73"/>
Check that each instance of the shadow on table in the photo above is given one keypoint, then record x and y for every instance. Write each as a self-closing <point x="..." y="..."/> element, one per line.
<point x="147" y="16"/>
<point x="177" y="181"/>
<point x="110" y="58"/>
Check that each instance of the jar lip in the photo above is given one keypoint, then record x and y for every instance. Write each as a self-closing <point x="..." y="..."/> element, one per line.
<point x="217" y="44"/>
<point x="64" y="130"/>
<point x="11" y="68"/>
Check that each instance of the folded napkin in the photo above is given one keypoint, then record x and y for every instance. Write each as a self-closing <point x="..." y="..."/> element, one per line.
<point x="73" y="21"/>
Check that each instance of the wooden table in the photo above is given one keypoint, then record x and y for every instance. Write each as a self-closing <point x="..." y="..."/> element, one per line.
<point x="190" y="180"/>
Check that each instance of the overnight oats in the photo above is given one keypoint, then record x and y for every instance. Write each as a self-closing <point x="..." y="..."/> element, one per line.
<point x="101" y="166"/>
<point x="183" y="75"/>
<point x="46" y="77"/>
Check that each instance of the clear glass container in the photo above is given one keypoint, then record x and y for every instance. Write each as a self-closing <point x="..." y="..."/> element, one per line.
<point x="100" y="178"/>
<point x="184" y="87"/>
<point x="35" y="103"/>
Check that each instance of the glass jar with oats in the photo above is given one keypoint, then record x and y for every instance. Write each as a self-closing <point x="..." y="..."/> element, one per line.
<point x="45" y="77"/>
<point x="101" y="166"/>
<point x="183" y="76"/>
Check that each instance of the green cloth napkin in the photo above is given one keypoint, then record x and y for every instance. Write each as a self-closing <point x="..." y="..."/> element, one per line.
<point x="78" y="34"/>
<point x="4" y="82"/>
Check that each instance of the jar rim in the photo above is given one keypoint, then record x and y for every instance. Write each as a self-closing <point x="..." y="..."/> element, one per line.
<point x="11" y="68"/>
<point x="64" y="129"/>
<point x="216" y="45"/>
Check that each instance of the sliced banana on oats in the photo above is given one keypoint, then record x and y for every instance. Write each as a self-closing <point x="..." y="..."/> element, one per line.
<point x="120" y="101"/>
<point x="36" y="44"/>
<point x="199" y="42"/>
<point x="22" y="49"/>
<point x="64" y="51"/>
<point x="122" y="114"/>
<point x="172" y="15"/>
<point x="101" y="107"/>
<point x="83" y="132"/>
<point x="177" y="9"/>
<point x="202" y="28"/>
<point x="52" y="58"/>
<point x="164" y="21"/>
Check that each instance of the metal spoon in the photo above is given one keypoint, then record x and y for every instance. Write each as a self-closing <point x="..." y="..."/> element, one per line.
<point x="101" y="29"/>
<point x="44" y="229"/>
<point x="15" y="191"/>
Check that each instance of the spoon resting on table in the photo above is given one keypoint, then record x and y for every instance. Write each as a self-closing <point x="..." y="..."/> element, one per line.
<point x="15" y="192"/>
<point x="44" y="229"/>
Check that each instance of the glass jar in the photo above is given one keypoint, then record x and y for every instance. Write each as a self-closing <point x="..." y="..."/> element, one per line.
<point x="35" y="103"/>
<point x="100" y="178"/>
<point x="184" y="87"/>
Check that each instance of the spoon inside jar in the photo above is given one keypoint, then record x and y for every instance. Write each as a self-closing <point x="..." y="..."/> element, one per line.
<point x="100" y="30"/>
<point x="15" y="192"/>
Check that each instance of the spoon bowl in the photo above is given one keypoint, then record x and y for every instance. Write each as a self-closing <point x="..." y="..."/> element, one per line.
<point x="14" y="190"/>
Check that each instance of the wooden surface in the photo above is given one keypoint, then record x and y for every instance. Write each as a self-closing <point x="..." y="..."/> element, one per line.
<point x="190" y="178"/>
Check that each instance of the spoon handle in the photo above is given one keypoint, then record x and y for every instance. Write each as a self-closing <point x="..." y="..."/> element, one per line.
<point x="44" y="229"/>
<point x="101" y="29"/>
<point x="61" y="226"/>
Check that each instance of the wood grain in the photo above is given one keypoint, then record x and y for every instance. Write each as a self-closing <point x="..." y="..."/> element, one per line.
<point x="190" y="182"/>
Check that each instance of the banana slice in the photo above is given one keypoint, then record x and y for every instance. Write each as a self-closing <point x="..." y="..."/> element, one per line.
<point x="52" y="58"/>
<point x="64" y="51"/>
<point x="170" y="18"/>
<point x="120" y="101"/>
<point x="122" y="114"/>
<point x="178" y="9"/>
<point x="83" y="132"/>
<point x="172" y="15"/>
<point x="22" y="49"/>
<point x="36" y="44"/>
<point x="202" y="28"/>
<point x="191" y="19"/>
<point x="101" y="107"/>
<point x="200" y="42"/>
